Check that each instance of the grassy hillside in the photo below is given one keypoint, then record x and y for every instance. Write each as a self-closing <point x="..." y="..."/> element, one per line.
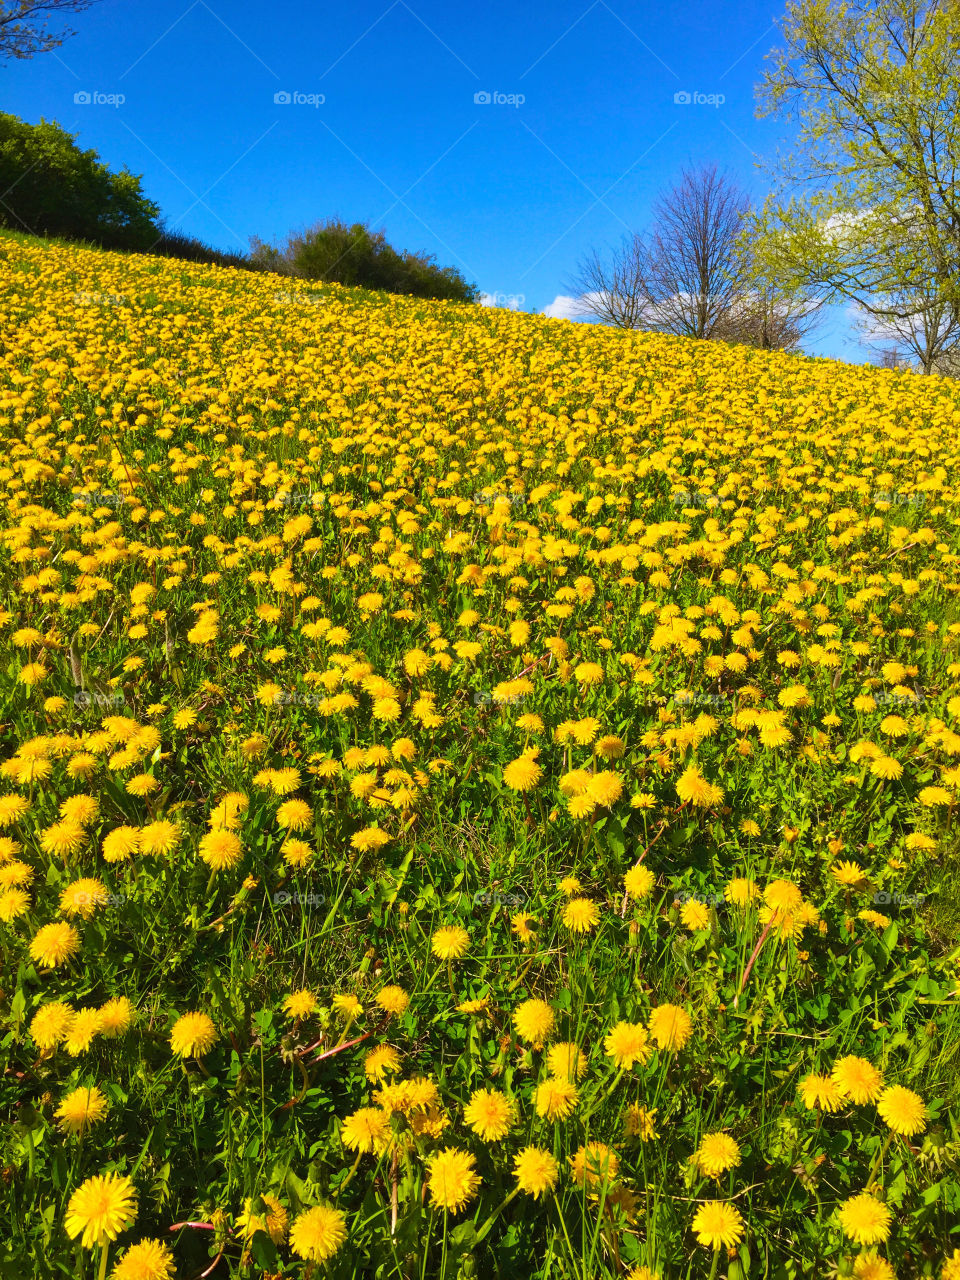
<point x="478" y="793"/>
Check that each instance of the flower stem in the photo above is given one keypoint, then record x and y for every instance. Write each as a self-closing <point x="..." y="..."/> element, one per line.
<point x="880" y="1154"/>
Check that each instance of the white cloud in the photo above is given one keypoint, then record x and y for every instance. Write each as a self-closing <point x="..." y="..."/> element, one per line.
<point x="563" y="307"/>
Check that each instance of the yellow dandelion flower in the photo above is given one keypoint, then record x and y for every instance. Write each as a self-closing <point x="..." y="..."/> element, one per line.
<point x="857" y="1079"/>
<point x="627" y="1043"/>
<point x="53" y="944"/>
<point x="580" y="915"/>
<point x="902" y="1110"/>
<point x="718" y="1225"/>
<point x="716" y="1153"/>
<point x="556" y="1098"/>
<point x="450" y="943"/>
<point x="819" y="1093"/>
<point x="318" y="1233"/>
<point x="193" y="1035"/>
<point x="100" y="1208"/>
<point x="393" y="1000"/>
<point x="146" y="1260"/>
<point x="452" y="1181"/>
<point x="536" y="1171"/>
<point x="671" y="1027"/>
<point x="865" y="1219"/>
<point x="81" y="1109"/>
<point x="534" y="1021"/>
<point x="489" y="1114"/>
<point x="366" y="1131"/>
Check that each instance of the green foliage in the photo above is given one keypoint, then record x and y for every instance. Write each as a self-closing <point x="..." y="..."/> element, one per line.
<point x="874" y="89"/>
<point x="354" y="255"/>
<point x="54" y="188"/>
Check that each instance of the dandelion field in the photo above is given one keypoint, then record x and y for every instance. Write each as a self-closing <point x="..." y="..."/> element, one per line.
<point x="477" y="793"/>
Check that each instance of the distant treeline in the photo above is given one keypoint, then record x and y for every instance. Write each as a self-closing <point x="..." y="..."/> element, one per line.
<point x="53" y="188"/>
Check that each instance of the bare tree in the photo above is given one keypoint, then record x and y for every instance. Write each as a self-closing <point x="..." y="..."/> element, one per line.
<point x="691" y="274"/>
<point x="920" y="324"/>
<point x="614" y="292"/>
<point x="768" y="318"/>
<point x="696" y="268"/>
<point x="890" y="358"/>
<point x="25" y="25"/>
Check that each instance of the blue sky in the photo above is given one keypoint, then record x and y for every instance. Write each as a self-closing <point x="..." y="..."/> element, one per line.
<point x="507" y="139"/>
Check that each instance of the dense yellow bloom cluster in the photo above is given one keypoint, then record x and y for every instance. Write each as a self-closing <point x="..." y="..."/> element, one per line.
<point x="517" y="711"/>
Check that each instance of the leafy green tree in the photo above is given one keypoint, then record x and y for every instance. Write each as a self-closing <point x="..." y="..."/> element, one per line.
<point x="867" y="207"/>
<point x="354" y="255"/>
<point x="51" y="187"/>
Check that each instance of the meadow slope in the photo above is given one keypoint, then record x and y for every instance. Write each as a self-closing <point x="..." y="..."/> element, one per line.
<point x="477" y="793"/>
